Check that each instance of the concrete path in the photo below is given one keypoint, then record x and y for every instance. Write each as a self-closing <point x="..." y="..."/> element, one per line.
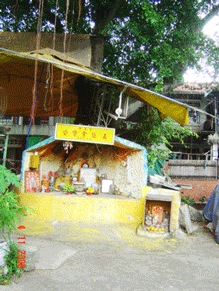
<point x="52" y="255"/>
<point x="94" y="257"/>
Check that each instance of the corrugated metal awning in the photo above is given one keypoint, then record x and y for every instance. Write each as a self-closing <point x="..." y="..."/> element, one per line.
<point x="17" y="73"/>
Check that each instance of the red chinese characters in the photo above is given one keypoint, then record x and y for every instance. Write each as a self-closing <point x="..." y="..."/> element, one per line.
<point x="21" y="227"/>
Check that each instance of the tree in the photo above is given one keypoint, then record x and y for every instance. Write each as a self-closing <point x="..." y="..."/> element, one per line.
<point x="158" y="41"/>
<point x="156" y="134"/>
<point x="82" y="16"/>
<point x="150" y="42"/>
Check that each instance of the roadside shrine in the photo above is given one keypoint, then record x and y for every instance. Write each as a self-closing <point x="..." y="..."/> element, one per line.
<point x="88" y="174"/>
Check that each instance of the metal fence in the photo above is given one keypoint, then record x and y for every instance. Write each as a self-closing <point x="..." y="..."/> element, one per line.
<point x="189" y="156"/>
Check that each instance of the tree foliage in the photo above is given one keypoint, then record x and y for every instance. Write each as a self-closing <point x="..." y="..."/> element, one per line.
<point x="151" y="42"/>
<point x="156" y="134"/>
<point x="158" y="41"/>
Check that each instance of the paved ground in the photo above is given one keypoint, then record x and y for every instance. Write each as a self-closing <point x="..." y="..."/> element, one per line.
<point x="113" y="258"/>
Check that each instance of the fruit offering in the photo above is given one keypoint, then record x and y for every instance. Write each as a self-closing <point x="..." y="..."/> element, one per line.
<point x="152" y="228"/>
<point x="90" y="190"/>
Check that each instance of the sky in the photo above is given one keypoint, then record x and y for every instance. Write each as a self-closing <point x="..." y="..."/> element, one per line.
<point x="211" y="29"/>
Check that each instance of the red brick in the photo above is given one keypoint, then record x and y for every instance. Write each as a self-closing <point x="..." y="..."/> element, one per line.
<point x="199" y="188"/>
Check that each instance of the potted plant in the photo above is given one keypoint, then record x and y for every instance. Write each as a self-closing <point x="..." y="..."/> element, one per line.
<point x="69" y="189"/>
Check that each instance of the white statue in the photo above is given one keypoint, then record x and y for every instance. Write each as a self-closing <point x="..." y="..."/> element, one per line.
<point x="156" y="219"/>
<point x="148" y="218"/>
<point x="166" y="221"/>
<point x="68" y="171"/>
<point x="43" y="188"/>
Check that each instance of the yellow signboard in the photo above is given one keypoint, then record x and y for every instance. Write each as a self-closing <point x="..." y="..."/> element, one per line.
<point x="83" y="133"/>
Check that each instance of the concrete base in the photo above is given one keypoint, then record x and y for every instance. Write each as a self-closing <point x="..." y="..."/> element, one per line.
<point x="149" y="234"/>
<point x="103" y="208"/>
<point x="97" y="209"/>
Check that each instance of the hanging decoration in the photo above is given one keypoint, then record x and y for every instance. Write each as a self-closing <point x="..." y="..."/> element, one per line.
<point x="35" y="89"/>
<point x="79" y="12"/>
<point x="39" y="26"/>
<point x="48" y="75"/>
<point x="3" y="102"/>
<point x="51" y="101"/>
<point x="67" y="145"/>
<point x="119" y="110"/>
<point x="64" y="50"/>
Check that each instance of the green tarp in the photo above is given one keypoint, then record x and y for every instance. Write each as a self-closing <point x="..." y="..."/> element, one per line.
<point x="158" y="165"/>
<point x="33" y="140"/>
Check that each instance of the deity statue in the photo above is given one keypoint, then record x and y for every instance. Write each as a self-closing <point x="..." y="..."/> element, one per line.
<point x="68" y="171"/>
<point x="156" y="219"/>
<point x="166" y="221"/>
<point x="148" y="218"/>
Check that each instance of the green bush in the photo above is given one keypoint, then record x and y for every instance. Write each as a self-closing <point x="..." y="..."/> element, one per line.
<point x="10" y="213"/>
<point x="203" y="199"/>
<point x="11" y="263"/>
<point x="187" y="200"/>
<point x="10" y="209"/>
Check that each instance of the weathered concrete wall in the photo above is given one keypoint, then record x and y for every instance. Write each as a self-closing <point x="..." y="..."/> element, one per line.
<point x="192" y="169"/>
<point x="127" y="177"/>
<point x="26" y="162"/>
<point x="124" y="166"/>
<point x="112" y="161"/>
<point x="51" y="163"/>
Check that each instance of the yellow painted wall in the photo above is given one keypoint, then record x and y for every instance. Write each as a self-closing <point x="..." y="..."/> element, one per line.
<point x="95" y="209"/>
<point x="84" y="209"/>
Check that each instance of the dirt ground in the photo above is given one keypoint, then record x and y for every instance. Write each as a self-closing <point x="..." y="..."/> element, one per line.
<point x="114" y="258"/>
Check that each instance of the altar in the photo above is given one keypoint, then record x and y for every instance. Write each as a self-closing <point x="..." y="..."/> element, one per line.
<point x="92" y="176"/>
<point x="70" y="178"/>
<point x="85" y="166"/>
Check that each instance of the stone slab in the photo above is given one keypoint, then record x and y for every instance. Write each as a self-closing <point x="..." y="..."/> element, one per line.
<point x="195" y="215"/>
<point x="52" y="255"/>
<point x="44" y="254"/>
<point x="51" y="260"/>
<point x="31" y="256"/>
<point x="185" y="220"/>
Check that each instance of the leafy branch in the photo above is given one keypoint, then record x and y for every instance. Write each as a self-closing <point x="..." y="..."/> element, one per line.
<point x="156" y="134"/>
<point x="10" y="209"/>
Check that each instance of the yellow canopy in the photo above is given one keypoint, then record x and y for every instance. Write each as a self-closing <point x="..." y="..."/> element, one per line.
<point x="17" y="75"/>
